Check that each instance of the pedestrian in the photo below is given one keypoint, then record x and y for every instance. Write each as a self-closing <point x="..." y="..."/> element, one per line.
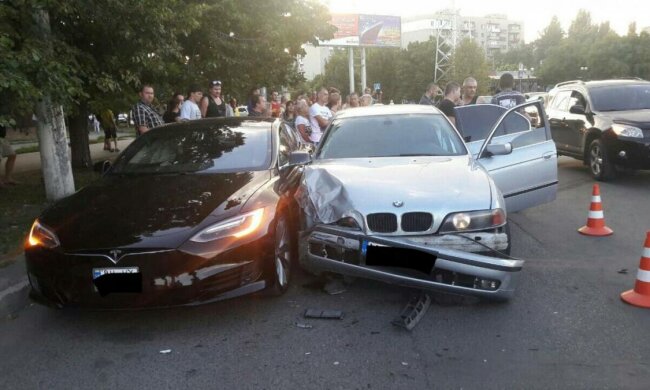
<point x="319" y="115"/>
<point x="107" y="119"/>
<point x="430" y="94"/>
<point x="7" y="151"/>
<point x="95" y="123"/>
<point x="144" y="116"/>
<point x="233" y="106"/>
<point x="190" y="109"/>
<point x="352" y="101"/>
<point x="259" y="106"/>
<point x="276" y="105"/>
<point x="255" y="91"/>
<point x="173" y="112"/>
<point x="365" y="101"/>
<point x="334" y="100"/>
<point x="508" y="97"/>
<point x="450" y="100"/>
<point x="213" y="105"/>
<point x="469" y="91"/>
<point x="303" y="125"/>
<point x="289" y="114"/>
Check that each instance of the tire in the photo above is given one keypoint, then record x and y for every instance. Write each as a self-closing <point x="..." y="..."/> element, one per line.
<point x="283" y="258"/>
<point x="602" y="169"/>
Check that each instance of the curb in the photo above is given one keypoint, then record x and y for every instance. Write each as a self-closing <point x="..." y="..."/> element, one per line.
<point x="14" y="287"/>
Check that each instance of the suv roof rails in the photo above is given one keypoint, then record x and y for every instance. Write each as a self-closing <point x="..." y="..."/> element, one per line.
<point x="569" y="82"/>
<point x="630" y="78"/>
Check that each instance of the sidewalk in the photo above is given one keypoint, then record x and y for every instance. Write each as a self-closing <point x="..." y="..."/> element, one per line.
<point x="28" y="162"/>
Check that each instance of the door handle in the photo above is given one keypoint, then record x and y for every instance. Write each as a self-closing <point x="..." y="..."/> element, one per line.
<point x="548" y="155"/>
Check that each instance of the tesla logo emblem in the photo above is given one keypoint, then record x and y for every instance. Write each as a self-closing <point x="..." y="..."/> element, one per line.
<point x="114" y="255"/>
<point x="398" y="203"/>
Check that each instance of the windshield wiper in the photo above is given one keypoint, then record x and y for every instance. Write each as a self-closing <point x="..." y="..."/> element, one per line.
<point x="417" y="154"/>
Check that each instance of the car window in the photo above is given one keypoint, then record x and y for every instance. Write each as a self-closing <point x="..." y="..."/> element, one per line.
<point x="391" y="136"/>
<point x="287" y="145"/>
<point x="475" y="122"/>
<point x="561" y="101"/>
<point x="620" y="97"/>
<point x="186" y="148"/>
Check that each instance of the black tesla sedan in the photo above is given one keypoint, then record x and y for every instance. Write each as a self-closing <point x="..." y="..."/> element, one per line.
<point x="189" y="213"/>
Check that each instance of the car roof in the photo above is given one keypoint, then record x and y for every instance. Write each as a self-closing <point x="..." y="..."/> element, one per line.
<point x="391" y="109"/>
<point x="208" y="122"/>
<point x="601" y="83"/>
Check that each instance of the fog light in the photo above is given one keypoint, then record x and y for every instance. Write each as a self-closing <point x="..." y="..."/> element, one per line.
<point x="461" y="221"/>
<point x="487" y="284"/>
<point x="622" y="154"/>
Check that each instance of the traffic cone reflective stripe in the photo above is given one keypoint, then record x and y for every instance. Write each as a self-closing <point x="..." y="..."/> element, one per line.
<point x="640" y="295"/>
<point x="596" y="218"/>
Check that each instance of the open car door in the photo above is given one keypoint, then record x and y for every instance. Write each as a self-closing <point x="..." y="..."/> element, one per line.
<point x="515" y="147"/>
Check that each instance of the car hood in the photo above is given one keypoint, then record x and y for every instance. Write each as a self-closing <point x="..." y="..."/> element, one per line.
<point x="636" y="118"/>
<point x="154" y="211"/>
<point x="438" y="185"/>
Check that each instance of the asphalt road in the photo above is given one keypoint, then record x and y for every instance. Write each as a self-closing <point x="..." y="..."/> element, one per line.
<point x="565" y="328"/>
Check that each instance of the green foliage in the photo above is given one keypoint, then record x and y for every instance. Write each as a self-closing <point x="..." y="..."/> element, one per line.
<point x="469" y="60"/>
<point x="591" y="51"/>
<point x="105" y="49"/>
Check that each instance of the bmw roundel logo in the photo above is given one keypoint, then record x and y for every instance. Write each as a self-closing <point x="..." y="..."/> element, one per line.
<point x="398" y="203"/>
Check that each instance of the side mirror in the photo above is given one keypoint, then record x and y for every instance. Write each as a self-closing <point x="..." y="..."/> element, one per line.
<point x="299" y="157"/>
<point x="102" y="166"/>
<point x="577" y="109"/>
<point x="498" y="149"/>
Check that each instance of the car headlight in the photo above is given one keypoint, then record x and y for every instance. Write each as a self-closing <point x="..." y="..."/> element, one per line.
<point x="348" y="222"/>
<point x="468" y="221"/>
<point x="41" y="235"/>
<point x="627" y="131"/>
<point x="237" y="227"/>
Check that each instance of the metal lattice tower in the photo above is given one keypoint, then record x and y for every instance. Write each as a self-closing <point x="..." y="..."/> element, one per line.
<point x="446" y="39"/>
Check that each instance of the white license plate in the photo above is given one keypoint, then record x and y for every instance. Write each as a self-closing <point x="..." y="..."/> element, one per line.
<point x="97" y="272"/>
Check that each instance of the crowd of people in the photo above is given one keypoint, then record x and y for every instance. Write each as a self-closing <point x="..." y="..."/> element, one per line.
<point x="310" y="113"/>
<point x="457" y="95"/>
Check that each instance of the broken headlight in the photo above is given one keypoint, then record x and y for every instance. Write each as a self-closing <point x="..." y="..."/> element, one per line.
<point x="348" y="222"/>
<point x="469" y="221"/>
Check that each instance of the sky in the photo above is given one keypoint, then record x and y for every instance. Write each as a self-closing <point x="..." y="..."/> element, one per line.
<point x="535" y="14"/>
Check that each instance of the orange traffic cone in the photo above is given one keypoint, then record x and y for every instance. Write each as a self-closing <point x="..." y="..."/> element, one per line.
<point x="640" y="296"/>
<point x="596" y="219"/>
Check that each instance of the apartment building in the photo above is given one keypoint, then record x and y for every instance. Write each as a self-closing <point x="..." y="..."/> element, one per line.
<point x="495" y="33"/>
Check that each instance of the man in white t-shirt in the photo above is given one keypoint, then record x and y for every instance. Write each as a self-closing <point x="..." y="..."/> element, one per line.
<point x="319" y="116"/>
<point x="190" y="109"/>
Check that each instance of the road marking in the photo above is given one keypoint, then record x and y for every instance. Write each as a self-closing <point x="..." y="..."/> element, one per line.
<point x="13" y="289"/>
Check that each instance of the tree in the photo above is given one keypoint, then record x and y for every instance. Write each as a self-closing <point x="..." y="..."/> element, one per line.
<point x="467" y="60"/>
<point x="550" y="38"/>
<point x="98" y="53"/>
<point x="417" y="65"/>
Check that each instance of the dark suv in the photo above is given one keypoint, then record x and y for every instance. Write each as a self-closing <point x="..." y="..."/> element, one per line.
<point x="604" y="123"/>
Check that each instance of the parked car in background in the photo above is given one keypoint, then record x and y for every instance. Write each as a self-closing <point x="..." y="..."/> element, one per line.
<point x="122" y="118"/>
<point x="414" y="205"/>
<point x="606" y="124"/>
<point x="242" y="111"/>
<point x="190" y="213"/>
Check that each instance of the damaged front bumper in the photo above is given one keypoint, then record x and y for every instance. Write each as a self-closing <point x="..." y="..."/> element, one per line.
<point x="407" y="262"/>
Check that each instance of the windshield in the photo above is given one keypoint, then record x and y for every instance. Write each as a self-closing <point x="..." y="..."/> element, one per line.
<point x="231" y="147"/>
<point x="621" y="98"/>
<point x="391" y="136"/>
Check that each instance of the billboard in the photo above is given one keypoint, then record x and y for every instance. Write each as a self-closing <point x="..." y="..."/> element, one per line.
<point x="366" y="30"/>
